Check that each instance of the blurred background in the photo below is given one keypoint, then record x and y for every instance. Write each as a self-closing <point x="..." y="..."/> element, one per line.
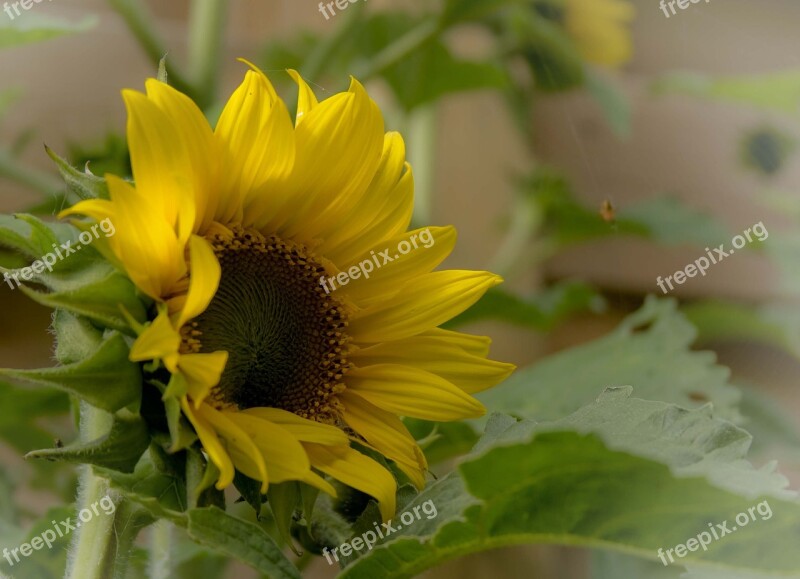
<point x="691" y="136"/>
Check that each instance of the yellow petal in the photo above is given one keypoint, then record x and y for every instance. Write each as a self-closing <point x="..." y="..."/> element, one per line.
<point x="211" y="444"/>
<point x="424" y="303"/>
<point x="159" y="341"/>
<point x="205" y="275"/>
<point x="144" y="242"/>
<point x="306" y="100"/>
<point x="257" y="137"/>
<point x="358" y="471"/>
<point x="193" y="139"/>
<point x="408" y="391"/>
<point x="202" y="372"/>
<point x="374" y="203"/>
<point x="387" y="434"/>
<point x="424" y="250"/>
<point x="444" y="358"/>
<point x="283" y="454"/>
<point x="162" y="168"/>
<point x="301" y="428"/>
<point x="392" y="218"/>
<point x="343" y="134"/>
<point x="245" y="455"/>
<point x="475" y="345"/>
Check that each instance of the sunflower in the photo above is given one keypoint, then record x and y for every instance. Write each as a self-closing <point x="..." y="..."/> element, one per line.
<point x="231" y="231"/>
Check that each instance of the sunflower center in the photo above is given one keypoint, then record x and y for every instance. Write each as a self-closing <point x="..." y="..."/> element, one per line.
<point x="284" y="335"/>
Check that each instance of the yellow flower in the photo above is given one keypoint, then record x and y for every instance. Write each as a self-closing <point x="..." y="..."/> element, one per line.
<point x="600" y="29"/>
<point x="233" y="230"/>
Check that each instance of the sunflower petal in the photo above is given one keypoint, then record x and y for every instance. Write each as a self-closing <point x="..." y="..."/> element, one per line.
<point x="358" y="471"/>
<point x="159" y="341"/>
<point x="202" y="372"/>
<point x="301" y="428"/>
<point x="245" y="455"/>
<point x="387" y="434"/>
<point x="306" y="100"/>
<point x="211" y="444"/>
<point x="408" y="391"/>
<point x="469" y="372"/>
<point x="422" y="304"/>
<point x="205" y="275"/>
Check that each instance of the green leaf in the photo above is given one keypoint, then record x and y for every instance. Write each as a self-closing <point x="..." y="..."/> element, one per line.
<point x="29" y="27"/>
<point x="82" y="184"/>
<point x="119" y="450"/>
<point x="241" y="540"/>
<point x="644" y="350"/>
<point x="551" y="55"/>
<point x="614" y="483"/>
<point x="444" y="440"/>
<point x="107" y="379"/>
<point x="541" y="312"/>
<point x="76" y="337"/>
<point x="779" y="91"/>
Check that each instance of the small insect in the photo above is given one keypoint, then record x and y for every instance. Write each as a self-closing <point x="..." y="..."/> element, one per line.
<point x="698" y="397"/>
<point x="607" y="212"/>
<point x="58" y="443"/>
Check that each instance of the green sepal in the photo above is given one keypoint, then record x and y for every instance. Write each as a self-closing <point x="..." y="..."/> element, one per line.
<point x="84" y="185"/>
<point x="118" y="450"/>
<point x="181" y="432"/>
<point x="76" y="337"/>
<point x="283" y="499"/>
<point x="106" y="379"/>
<point x="98" y="292"/>
<point x="250" y="489"/>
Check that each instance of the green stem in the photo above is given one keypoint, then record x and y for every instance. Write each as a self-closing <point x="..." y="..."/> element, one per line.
<point x="140" y="23"/>
<point x="160" y="565"/>
<point x="103" y="538"/>
<point x="206" y="27"/>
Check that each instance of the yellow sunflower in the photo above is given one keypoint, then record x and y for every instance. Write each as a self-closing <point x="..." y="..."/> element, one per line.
<point x="233" y="232"/>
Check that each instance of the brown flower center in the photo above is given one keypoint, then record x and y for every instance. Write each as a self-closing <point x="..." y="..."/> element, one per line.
<point x="285" y="336"/>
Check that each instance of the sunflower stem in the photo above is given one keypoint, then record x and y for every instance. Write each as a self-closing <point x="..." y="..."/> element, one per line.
<point x="140" y="23"/>
<point x="160" y="564"/>
<point x="103" y="537"/>
<point x="206" y="27"/>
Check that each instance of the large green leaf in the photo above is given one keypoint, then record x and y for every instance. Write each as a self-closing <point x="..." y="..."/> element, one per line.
<point x="240" y="539"/>
<point x="650" y="350"/>
<point x="623" y="473"/>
